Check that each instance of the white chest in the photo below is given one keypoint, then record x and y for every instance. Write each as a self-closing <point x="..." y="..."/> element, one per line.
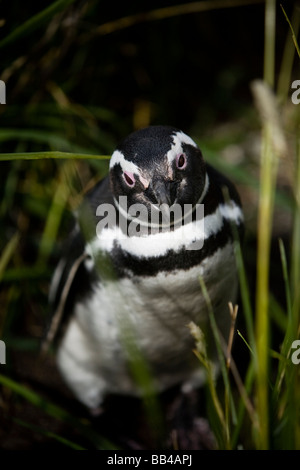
<point x="155" y="311"/>
<point x="149" y="317"/>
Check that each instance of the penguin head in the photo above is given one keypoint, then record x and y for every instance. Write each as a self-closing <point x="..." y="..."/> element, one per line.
<point x="158" y="165"/>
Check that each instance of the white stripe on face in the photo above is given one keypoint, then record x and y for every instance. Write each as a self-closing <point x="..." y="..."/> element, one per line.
<point x="118" y="158"/>
<point x="178" y="139"/>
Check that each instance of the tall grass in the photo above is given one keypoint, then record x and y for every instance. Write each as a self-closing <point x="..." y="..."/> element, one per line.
<point x="264" y="230"/>
<point x="259" y="409"/>
<point x="273" y="148"/>
<point x="271" y="390"/>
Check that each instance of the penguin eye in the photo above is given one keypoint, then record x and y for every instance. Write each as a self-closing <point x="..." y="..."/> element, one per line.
<point x="129" y="179"/>
<point x="181" y="161"/>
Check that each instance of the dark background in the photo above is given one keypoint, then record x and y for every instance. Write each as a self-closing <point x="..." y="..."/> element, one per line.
<point x="192" y="70"/>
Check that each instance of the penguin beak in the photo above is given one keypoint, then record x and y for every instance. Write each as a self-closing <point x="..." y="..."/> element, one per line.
<point x="163" y="191"/>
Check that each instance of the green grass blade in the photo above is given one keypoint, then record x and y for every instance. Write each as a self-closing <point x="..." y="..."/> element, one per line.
<point x="35" y="399"/>
<point x="286" y="66"/>
<point x="35" y="22"/>
<point x="262" y="292"/>
<point x="248" y="384"/>
<point x="246" y="343"/>
<point x="54" y="139"/>
<point x="56" y="412"/>
<point x="278" y="314"/>
<point x="7" y="253"/>
<point x="29" y="273"/>
<point x="293" y="32"/>
<point x="245" y="294"/>
<point x="216" y="415"/>
<point x="52" y="435"/>
<point x="290" y="329"/>
<point x="51" y="154"/>
<point x="286" y="279"/>
<point x="55" y="213"/>
<point x="295" y="269"/>
<point x="222" y="362"/>
<point x="268" y="171"/>
<point x="167" y="12"/>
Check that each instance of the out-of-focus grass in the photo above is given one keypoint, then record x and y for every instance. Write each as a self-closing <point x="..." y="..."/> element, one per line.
<point x="273" y="388"/>
<point x="60" y="414"/>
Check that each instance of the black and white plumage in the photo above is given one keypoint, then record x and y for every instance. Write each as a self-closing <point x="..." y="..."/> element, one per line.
<point x="151" y="287"/>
